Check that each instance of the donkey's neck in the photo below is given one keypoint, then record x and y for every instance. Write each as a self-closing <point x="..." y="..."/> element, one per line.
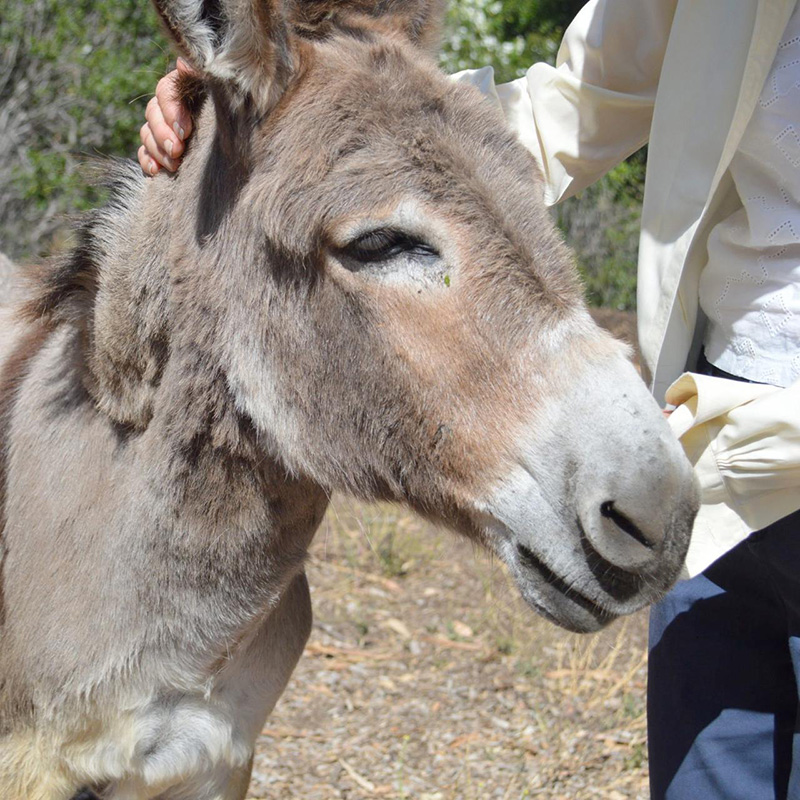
<point x="210" y="528"/>
<point x="158" y="372"/>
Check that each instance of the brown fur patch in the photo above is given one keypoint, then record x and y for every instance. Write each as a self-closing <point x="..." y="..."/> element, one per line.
<point x="191" y="92"/>
<point x="419" y="20"/>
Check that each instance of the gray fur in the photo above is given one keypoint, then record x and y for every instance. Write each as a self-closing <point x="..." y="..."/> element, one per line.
<point x="193" y="381"/>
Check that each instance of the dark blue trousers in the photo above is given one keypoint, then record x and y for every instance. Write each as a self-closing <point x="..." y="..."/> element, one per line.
<point x="723" y="675"/>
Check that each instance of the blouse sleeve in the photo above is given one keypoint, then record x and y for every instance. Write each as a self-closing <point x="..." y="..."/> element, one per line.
<point x="744" y="442"/>
<point x="594" y="108"/>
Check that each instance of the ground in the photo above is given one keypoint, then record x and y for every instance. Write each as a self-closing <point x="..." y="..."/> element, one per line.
<point x="426" y="677"/>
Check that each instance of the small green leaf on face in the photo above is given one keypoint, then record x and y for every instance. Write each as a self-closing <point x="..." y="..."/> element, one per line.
<point x="446" y="280"/>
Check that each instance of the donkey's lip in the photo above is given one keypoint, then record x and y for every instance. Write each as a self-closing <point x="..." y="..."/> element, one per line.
<point x="571" y="608"/>
<point x="542" y="588"/>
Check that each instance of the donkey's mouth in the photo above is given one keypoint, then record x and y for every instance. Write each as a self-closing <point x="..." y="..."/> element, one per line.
<point x="582" y="592"/>
<point x="555" y="599"/>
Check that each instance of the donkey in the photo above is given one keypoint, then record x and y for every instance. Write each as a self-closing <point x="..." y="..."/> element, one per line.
<point x="351" y="285"/>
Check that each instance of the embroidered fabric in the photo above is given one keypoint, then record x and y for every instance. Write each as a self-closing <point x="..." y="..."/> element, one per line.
<point x="750" y="288"/>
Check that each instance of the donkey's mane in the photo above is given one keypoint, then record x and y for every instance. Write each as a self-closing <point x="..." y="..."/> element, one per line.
<point x="62" y="285"/>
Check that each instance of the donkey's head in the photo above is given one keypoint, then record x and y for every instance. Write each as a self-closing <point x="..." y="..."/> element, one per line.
<point x="394" y="311"/>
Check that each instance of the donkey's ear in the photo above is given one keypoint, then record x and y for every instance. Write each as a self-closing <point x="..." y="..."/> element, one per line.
<point x="420" y="21"/>
<point x="243" y="44"/>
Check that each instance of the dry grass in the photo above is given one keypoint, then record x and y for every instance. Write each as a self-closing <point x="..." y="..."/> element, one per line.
<point x="426" y="677"/>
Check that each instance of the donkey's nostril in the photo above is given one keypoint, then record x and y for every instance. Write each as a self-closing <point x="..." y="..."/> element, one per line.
<point x="611" y="532"/>
<point x="608" y="511"/>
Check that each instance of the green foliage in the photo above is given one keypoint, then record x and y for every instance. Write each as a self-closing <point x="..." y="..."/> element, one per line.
<point x="492" y="33"/>
<point x="74" y="80"/>
<point x="602" y="226"/>
<point x="508" y="34"/>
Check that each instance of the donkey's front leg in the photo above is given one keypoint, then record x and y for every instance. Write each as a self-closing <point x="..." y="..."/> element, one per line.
<point x="250" y="685"/>
<point x="238" y="783"/>
<point x="223" y="784"/>
<point x="246" y="691"/>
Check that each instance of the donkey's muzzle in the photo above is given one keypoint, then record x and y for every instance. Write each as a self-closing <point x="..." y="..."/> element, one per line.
<point x="629" y="519"/>
<point x="594" y="521"/>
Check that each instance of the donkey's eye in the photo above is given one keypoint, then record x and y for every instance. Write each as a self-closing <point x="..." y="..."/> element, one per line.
<point x="383" y="244"/>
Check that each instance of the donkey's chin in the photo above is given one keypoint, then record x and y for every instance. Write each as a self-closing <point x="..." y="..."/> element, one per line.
<point x="582" y="592"/>
<point x="566" y="604"/>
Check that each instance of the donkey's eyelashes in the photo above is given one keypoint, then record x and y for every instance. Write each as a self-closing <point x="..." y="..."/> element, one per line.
<point x="392" y="256"/>
<point x="382" y="244"/>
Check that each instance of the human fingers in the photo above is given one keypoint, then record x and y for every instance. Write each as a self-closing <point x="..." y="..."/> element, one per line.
<point x="156" y="153"/>
<point x="149" y="167"/>
<point x="164" y="137"/>
<point x="175" y="116"/>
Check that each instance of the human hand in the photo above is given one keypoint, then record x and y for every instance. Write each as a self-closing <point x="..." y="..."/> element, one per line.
<point x="168" y="125"/>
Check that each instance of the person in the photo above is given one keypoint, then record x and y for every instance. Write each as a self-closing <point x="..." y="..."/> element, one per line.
<point x="714" y="89"/>
<point x="167" y="126"/>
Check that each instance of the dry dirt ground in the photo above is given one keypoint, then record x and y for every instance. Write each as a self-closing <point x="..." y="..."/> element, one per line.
<point x="426" y="677"/>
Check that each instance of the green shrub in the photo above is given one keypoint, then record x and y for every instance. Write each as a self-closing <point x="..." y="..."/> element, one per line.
<point x="75" y="78"/>
<point x="74" y="81"/>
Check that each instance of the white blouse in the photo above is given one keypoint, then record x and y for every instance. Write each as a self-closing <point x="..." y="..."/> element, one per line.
<point x="750" y="288"/>
<point x="686" y="76"/>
